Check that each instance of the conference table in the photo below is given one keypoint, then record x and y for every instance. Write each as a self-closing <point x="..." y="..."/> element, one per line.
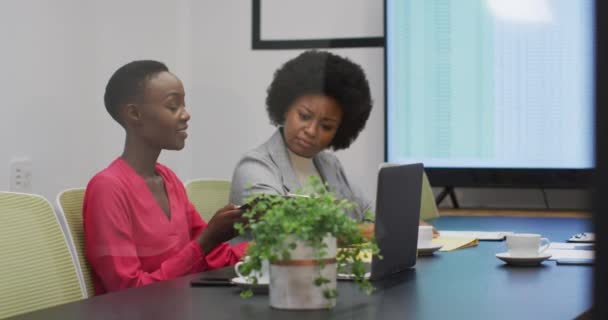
<point x="468" y="283"/>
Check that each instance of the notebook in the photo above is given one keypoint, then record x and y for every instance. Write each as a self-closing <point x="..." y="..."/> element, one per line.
<point x="397" y="219"/>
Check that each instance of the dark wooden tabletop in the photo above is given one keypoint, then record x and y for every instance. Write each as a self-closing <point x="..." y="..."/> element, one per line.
<point x="463" y="284"/>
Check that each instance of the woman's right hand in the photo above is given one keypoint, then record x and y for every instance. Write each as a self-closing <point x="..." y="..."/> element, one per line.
<point x="220" y="228"/>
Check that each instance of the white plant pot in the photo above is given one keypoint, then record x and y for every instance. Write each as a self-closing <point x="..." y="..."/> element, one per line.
<point x="292" y="282"/>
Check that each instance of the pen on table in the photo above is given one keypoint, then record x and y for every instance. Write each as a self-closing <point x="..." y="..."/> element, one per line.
<point x="211" y="283"/>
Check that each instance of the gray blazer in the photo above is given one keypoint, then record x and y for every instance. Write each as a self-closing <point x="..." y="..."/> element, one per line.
<point x="267" y="169"/>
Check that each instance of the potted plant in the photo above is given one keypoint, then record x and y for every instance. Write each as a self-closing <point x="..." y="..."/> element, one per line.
<point x="298" y="235"/>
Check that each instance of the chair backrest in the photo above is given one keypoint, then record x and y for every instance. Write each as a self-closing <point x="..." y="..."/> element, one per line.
<point x="69" y="214"/>
<point x="208" y="195"/>
<point x="428" y="207"/>
<point x="36" y="268"/>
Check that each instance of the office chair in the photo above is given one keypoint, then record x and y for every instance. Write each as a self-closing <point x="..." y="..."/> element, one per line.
<point x="37" y="269"/>
<point x="208" y="195"/>
<point x="69" y="214"/>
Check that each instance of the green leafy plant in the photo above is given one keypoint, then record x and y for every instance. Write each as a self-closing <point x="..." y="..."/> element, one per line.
<point x="272" y="219"/>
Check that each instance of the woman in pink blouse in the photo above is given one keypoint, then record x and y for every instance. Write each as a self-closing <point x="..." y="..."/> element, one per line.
<point x="139" y="225"/>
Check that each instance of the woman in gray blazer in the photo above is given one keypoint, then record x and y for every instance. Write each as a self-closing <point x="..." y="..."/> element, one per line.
<point x="318" y="101"/>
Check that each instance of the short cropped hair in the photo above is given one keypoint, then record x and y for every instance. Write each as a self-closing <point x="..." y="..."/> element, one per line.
<point x="128" y="82"/>
<point x="323" y="73"/>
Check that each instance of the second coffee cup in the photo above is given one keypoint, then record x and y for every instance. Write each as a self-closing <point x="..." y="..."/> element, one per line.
<point x="425" y="236"/>
<point x="526" y="244"/>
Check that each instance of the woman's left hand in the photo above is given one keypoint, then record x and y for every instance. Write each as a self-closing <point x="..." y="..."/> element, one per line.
<point x="367" y="230"/>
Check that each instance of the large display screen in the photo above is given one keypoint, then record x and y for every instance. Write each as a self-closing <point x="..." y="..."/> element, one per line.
<point x="505" y="84"/>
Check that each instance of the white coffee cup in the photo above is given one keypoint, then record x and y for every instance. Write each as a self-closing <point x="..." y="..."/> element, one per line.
<point x="262" y="275"/>
<point x="526" y="244"/>
<point x="425" y="236"/>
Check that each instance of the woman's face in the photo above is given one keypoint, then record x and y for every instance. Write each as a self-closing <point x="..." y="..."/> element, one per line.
<point x="163" y="118"/>
<point x="311" y="123"/>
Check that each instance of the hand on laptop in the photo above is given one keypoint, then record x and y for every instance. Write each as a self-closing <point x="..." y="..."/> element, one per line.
<point x="367" y="229"/>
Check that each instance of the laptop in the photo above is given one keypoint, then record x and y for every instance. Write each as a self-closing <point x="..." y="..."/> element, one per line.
<point x="397" y="219"/>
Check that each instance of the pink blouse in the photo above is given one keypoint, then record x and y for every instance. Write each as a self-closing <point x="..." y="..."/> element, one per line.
<point x="130" y="242"/>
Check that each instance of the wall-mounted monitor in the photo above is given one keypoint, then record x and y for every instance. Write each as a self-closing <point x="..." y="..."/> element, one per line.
<point x="491" y="92"/>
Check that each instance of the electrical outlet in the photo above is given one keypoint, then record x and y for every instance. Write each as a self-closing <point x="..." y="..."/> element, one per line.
<point x="21" y="175"/>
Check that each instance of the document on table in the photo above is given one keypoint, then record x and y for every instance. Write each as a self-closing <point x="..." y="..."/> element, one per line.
<point x="561" y="250"/>
<point x="453" y="243"/>
<point x="480" y="235"/>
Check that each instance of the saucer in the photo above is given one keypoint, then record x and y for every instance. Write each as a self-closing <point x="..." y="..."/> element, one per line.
<point x="428" y="250"/>
<point x="245" y="284"/>
<point x="523" y="261"/>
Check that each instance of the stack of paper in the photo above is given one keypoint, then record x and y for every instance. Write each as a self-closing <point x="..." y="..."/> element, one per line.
<point x="561" y="250"/>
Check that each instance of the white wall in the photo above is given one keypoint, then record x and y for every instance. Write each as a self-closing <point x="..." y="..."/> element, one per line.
<point x="58" y="56"/>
